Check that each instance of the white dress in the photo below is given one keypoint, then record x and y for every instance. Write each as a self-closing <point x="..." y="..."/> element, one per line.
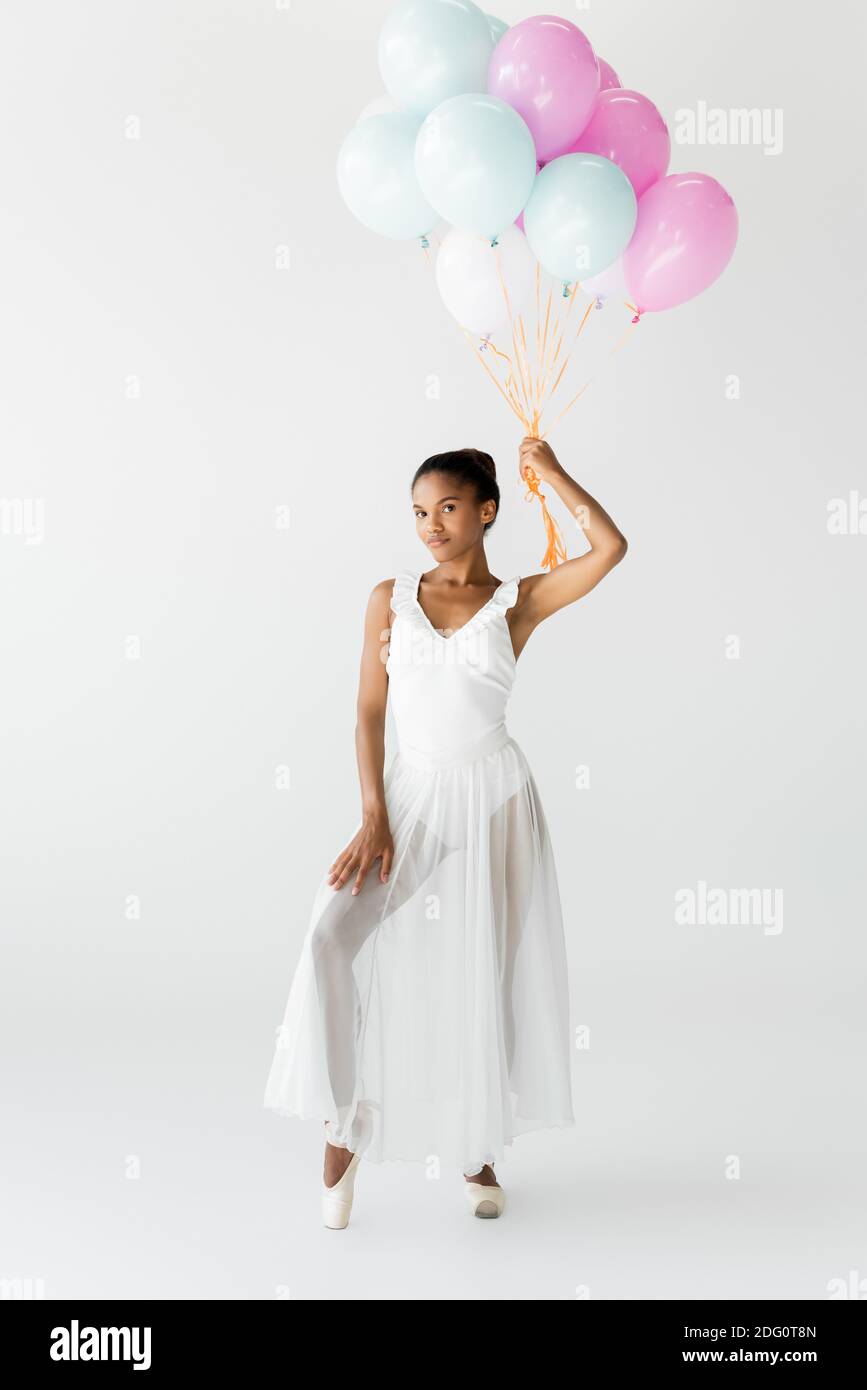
<point x="428" y="1017"/>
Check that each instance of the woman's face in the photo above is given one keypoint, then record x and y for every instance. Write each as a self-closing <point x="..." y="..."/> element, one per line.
<point x="448" y="516"/>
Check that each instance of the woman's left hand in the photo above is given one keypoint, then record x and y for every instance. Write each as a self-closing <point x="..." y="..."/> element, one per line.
<point x="539" y="456"/>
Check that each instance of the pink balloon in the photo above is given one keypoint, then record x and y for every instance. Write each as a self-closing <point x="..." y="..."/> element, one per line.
<point x="684" y="238"/>
<point x="626" y="128"/>
<point x="519" y="220"/>
<point x="607" y="76"/>
<point x="546" y="69"/>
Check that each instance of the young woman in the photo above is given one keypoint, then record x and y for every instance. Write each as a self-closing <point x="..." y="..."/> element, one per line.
<point x="428" y="1017"/>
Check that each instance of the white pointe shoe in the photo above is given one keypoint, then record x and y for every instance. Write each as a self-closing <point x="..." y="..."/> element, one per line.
<point x="337" y="1200"/>
<point x="485" y="1201"/>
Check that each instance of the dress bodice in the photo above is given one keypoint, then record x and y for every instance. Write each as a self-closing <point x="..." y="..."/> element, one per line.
<point x="449" y="694"/>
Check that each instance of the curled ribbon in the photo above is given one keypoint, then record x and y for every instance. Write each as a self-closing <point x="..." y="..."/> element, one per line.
<point x="555" y="551"/>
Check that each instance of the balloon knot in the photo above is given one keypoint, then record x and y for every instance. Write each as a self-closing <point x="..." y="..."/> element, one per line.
<point x="600" y="302"/>
<point x="486" y="338"/>
<point x="566" y="289"/>
<point x="637" y="318"/>
<point x="424" y="243"/>
<point x="494" y="241"/>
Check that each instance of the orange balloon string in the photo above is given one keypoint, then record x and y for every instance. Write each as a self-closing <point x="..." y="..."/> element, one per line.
<point x="555" y="550"/>
<point x="528" y="393"/>
<point x="630" y="330"/>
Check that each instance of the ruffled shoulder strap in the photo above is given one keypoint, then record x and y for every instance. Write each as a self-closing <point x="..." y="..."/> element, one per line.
<point x="507" y="595"/>
<point x="403" y="594"/>
<point x="502" y="599"/>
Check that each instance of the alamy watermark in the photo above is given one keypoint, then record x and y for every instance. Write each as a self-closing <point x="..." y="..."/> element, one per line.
<point x="847" y="516"/>
<point x="761" y="126"/>
<point x="23" y="517"/>
<point x="729" y="907"/>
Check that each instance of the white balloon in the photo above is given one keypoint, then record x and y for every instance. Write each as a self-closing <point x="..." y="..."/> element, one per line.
<point x="469" y="281"/>
<point x="380" y="106"/>
<point x="608" y="284"/>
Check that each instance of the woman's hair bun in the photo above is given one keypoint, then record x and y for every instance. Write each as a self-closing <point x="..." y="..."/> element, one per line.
<point x="484" y="461"/>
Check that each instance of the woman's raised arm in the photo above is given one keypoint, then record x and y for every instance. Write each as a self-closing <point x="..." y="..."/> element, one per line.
<point x="544" y="594"/>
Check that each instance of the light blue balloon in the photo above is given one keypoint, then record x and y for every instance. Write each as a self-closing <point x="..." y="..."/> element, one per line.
<point x="580" y="216"/>
<point x="476" y="162"/>
<point x="376" y="175"/>
<point x="498" y="27"/>
<point x="430" y="50"/>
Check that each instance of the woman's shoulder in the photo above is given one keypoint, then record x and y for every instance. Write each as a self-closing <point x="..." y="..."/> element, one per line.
<point x="525" y="587"/>
<point x="395" y="592"/>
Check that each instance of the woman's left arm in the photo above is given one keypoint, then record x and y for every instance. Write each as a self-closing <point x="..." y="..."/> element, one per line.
<point x="544" y="594"/>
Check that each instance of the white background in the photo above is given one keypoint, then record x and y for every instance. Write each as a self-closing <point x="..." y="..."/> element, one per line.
<point x="166" y="388"/>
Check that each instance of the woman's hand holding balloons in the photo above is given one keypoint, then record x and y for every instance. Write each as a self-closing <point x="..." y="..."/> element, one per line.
<point x="536" y="454"/>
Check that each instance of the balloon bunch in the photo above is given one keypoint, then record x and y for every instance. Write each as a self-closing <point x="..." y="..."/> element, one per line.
<point x="525" y="142"/>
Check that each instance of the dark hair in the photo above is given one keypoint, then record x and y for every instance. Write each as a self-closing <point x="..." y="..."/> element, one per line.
<point x="468" y="466"/>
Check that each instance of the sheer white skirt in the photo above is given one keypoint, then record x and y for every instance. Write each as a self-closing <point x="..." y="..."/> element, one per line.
<point x="428" y="1017"/>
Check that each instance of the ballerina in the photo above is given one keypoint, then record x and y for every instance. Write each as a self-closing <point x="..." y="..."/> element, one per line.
<point x="428" y="1015"/>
